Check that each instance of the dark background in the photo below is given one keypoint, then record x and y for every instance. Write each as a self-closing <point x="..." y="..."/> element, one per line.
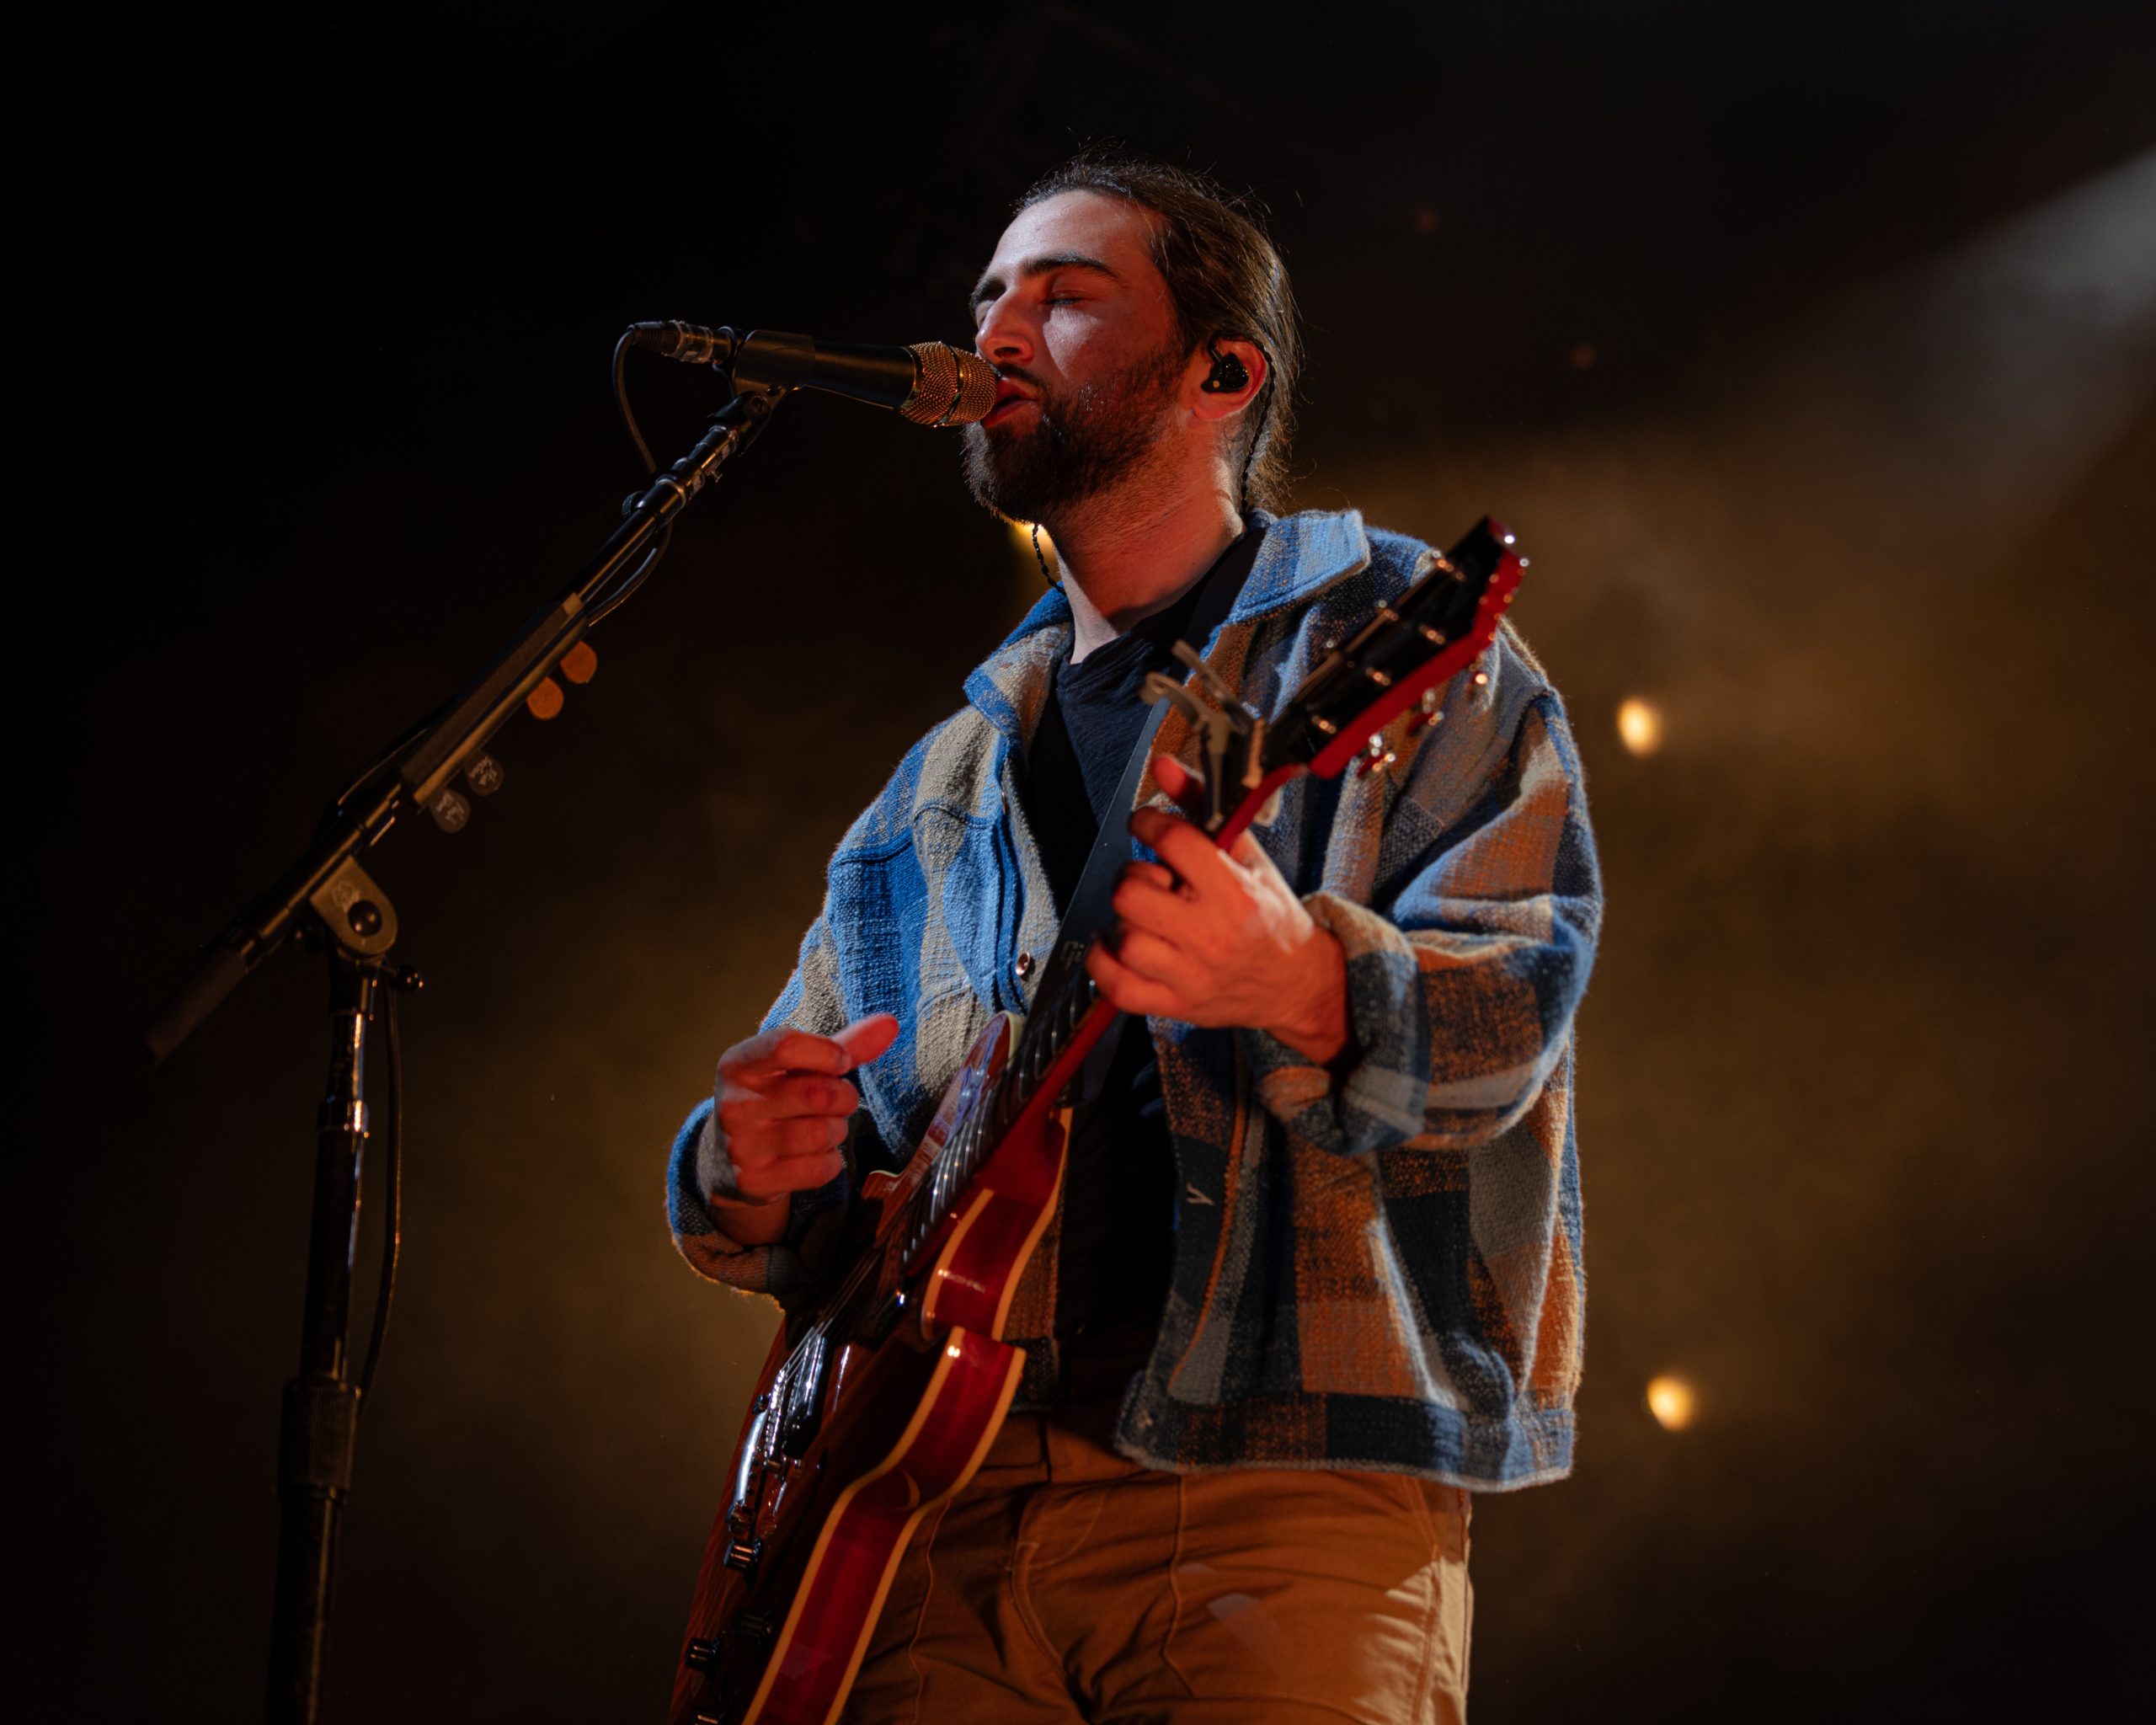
<point x="1811" y="350"/>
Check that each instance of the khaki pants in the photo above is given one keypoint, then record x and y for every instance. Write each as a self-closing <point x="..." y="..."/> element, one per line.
<point x="1066" y="1584"/>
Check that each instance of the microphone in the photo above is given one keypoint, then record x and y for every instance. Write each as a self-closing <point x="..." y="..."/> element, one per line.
<point x="930" y="383"/>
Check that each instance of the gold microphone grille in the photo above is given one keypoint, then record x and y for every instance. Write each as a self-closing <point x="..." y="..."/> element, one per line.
<point x="955" y="388"/>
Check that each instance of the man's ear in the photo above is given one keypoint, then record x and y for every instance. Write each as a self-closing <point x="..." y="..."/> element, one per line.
<point x="1230" y="373"/>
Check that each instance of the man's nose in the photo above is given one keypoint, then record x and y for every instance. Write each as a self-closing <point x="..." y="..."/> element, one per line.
<point x="1003" y="339"/>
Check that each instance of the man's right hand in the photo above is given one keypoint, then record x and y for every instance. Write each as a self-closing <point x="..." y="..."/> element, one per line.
<point x="782" y="1110"/>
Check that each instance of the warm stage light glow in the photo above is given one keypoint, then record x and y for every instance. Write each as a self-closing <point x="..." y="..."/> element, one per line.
<point x="1670" y="1400"/>
<point x="1639" y="723"/>
<point x="1022" y="536"/>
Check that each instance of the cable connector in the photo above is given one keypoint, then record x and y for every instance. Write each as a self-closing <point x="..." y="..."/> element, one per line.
<point x="691" y="344"/>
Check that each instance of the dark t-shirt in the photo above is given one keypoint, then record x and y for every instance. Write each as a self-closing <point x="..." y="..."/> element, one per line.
<point x="1118" y="1187"/>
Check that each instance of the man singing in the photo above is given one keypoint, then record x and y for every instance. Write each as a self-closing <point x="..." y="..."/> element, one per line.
<point x="1315" y="1274"/>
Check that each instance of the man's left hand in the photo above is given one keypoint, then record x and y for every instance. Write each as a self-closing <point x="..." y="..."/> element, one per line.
<point x="1216" y="937"/>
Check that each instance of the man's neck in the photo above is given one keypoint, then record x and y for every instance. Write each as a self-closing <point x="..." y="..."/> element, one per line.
<point x="1124" y="559"/>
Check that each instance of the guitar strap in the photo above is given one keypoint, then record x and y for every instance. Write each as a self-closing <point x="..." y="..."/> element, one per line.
<point x="1088" y="910"/>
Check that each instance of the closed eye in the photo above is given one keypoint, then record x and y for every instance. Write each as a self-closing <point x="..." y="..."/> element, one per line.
<point x="991" y="287"/>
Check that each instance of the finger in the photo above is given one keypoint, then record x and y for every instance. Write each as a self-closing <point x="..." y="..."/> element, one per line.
<point x="1147" y="956"/>
<point x="798" y="1173"/>
<point x="785" y="1098"/>
<point x="1194" y="856"/>
<point x="1183" y="786"/>
<point x="1125" y="990"/>
<point x="1147" y="905"/>
<point x="1250" y="854"/>
<point x="782" y="1050"/>
<point x="867" y="1037"/>
<point x="766" y="1142"/>
<point x="805" y="1137"/>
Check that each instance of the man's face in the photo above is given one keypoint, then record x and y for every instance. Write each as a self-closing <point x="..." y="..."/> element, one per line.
<point x="1077" y="322"/>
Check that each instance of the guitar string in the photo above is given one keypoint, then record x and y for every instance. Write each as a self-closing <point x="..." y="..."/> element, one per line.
<point x="1009" y="1084"/>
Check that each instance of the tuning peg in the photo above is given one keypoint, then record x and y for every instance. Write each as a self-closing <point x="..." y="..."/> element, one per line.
<point x="1427" y="712"/>
<point x="1375" y="753"/>
<point x="544" y="702"/>
<point x="579" y="662"/>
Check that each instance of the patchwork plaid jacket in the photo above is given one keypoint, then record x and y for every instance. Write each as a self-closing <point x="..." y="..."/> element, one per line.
<point x="1380" y="1271"/>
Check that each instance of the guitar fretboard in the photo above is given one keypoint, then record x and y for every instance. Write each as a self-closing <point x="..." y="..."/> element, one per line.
<point x="1052" y="1031"/>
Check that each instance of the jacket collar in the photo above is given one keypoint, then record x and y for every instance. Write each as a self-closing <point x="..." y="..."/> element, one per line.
<point x="1302" y="555"/>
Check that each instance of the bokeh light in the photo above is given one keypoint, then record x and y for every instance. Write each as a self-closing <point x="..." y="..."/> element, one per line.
<point x="1672" y="1401"/>
<point x="1639" y="723"/>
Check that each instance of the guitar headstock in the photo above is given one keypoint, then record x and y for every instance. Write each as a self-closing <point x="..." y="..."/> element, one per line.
<point x="1398" y="660"/>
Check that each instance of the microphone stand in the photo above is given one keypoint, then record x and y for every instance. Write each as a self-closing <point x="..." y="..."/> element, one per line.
<point x="330" y="902"/>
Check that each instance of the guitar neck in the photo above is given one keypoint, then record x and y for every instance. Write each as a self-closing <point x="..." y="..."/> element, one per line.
<point x="1062" y="1030"/>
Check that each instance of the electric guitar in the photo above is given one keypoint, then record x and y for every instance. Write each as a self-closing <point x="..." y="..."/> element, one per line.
<point x="879" y="1402"/>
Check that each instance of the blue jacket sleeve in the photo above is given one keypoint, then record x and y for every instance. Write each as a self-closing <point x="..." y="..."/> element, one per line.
<point x="1463" y="983"/>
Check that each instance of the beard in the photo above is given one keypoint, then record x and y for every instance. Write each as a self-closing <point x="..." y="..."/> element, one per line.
<point x="1082" y="442"/>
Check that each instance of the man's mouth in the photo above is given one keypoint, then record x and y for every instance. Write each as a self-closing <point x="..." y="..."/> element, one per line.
<point x="1010" y="399"/>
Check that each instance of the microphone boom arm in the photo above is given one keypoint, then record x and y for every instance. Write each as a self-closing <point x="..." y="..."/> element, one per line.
<point x="424" y="767"/>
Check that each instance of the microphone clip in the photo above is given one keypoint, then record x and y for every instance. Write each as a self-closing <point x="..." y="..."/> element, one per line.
<point x="691" y="343"/>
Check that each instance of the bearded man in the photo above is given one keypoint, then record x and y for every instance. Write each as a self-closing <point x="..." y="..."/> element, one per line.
<point x="1315" y="1273"/>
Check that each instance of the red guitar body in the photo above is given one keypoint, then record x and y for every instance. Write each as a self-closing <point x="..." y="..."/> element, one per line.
<point x="802" y="1553"/>
<point x="879" y="1403"/>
